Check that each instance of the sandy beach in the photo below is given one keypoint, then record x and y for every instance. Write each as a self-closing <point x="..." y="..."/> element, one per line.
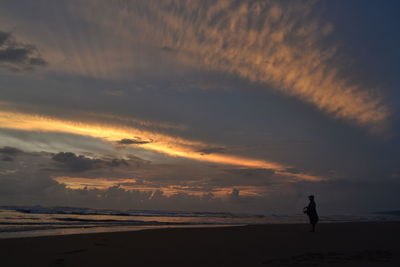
<point x="339" y="244"/>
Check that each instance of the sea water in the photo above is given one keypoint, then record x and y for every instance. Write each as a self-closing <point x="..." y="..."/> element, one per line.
<point x="29" y="221"/>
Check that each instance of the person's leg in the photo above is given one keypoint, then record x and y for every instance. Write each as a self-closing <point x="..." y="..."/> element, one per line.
<point x="313" y="227"/>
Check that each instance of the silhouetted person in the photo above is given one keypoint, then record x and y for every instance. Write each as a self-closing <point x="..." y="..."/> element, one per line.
<point x="311" y="211"/>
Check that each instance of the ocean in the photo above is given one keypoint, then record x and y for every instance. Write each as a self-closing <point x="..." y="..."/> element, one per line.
<point x="30" y="221"/>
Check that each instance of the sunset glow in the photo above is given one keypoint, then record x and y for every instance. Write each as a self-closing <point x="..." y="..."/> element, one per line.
<point x="128" y="184"/>
<point x="212" y="105"/>
<point x="171" y="146"/>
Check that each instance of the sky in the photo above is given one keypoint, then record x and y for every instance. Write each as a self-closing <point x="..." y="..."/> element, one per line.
<point x="228" y="105"/>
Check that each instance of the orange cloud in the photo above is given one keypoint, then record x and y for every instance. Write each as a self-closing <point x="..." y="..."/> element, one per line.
<point x="276" y="43"/>
<point x="169" y="145"/>
<point x="264" y="41"/>
<point x="272" y="42"/>
<point x="128" y="184"/>
<point x="89" y="183"/>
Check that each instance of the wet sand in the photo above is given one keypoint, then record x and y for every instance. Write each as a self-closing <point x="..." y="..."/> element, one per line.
<point x="339" y="244"/>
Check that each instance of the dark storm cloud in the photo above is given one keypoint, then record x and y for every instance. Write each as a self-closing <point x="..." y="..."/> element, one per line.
<point x="211" y="150"/>
<point x="17" y="56"/>
<point x="134" y="141"/>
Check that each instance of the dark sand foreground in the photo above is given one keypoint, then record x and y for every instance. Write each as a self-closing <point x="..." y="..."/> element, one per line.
<point x="344" y="244"/>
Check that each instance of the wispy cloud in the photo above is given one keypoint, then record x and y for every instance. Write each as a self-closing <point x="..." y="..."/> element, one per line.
<point x="281" y="44"/>
<point x="272" y="42"/>
<point x="134" y="141"/>
<point x="278" y="43"/>
<point x="87" y="115"/>
<point x="211" y="150"/>
<point x="169" y="145"/>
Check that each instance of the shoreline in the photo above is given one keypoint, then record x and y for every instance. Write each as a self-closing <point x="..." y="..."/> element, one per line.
<point x="100" y="230"/>
<point x="334" y="244"/>
<point x="135" y="228"/>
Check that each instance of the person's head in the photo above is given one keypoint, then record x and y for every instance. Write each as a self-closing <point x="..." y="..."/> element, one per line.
<point x="311" y="197"/>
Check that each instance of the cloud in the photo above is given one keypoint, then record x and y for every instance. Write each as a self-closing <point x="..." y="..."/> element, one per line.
<point x="78" y="172"/>
<point x="27" y="187"/>
<point x="12" y="151"/>
<point x="26" y="181"/>
<point x="282" y="44"/>
<point x="234" y="195"/>
<point x="134" y="141"/>
<point x="113" y="92"/>
<point x="75" y="163"/>
<point x="168" y="145"/>
<point x="211" y="150"/>
<point x="7" y="158"/>
<point x="294" y="170"/>
<point x="29" y="179"/>
<point x="277" y="43"/>
<point x="251" y="172"/>
<point x="118" y="162"/>
<point x="79" y="163"/>
<point x="9" y="153"/>
<point x="17" y="56"/>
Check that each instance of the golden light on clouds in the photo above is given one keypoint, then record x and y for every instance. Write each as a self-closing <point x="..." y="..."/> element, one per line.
<point x="275" y="43"/>
<point x="271" y="42"/>
<point x="161" y="143"/>
<point x="101" y="183"/>
<point x="280" y="53"/>
<point x="89" y="183"/>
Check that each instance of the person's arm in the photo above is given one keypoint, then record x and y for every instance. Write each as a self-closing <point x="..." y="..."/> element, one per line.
<point x="305" y="210"/>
